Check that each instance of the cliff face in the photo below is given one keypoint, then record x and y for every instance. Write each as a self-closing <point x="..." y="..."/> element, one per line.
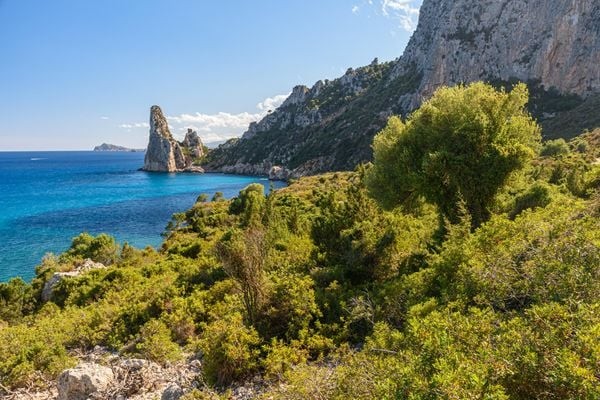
<point x="553" y="45"/>
<point x="553" y="42"/>
<point x="164" y="153"/>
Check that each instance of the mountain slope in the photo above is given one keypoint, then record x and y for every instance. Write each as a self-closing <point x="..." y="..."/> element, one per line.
<point x="553" y="45"/>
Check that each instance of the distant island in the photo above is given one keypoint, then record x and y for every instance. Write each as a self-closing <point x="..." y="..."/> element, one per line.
<point x="114" y="147"/>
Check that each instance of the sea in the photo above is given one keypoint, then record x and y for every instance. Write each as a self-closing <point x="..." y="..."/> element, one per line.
<point x="47" y="198"/>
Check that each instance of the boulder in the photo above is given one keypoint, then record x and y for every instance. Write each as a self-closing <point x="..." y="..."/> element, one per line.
<point x="134" y="364"/>
<point x="57" y="277"/>
<point x="84" y="380"/>
<point x="172" y="392"/>
<point x="278" y="173"/>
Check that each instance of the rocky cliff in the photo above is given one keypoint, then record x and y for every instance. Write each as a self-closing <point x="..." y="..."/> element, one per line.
<point x="164" y="153"/>
<point x="553" y="45"/>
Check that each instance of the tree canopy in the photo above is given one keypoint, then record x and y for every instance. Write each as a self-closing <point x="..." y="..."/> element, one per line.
<point x="460" y="146"/>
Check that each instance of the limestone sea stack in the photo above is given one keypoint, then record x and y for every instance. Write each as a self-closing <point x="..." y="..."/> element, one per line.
<point x="164" y="153"/>
<point x="194" y="144"/>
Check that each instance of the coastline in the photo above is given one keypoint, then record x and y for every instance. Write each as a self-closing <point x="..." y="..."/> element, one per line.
<point x="50" y="197"/>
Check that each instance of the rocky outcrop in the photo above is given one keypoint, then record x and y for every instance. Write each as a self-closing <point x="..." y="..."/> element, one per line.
<point x="103" y="374"/>
<point x="274" y="172"/>
<point x="553" y="42"/>
<point x="57" y="277"/>
<point x="193" y="143"/>
<point x="164" y="153"/>
<point x="553" y="45"/>
<point x="83" y="381"/>
<point x="172" y="392"/>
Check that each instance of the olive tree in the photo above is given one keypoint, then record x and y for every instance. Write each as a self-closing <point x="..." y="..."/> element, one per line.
<point x="458" y="149"/>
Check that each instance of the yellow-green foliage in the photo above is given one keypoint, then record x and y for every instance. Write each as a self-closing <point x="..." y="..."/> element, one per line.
<point x="281" y="358"/>
<point x="155" y="343"/>
<point x="102" y="249"/>
<point x="326" y="295"/>
<point x="462" y="144"/>
<point x="230" y="349"/>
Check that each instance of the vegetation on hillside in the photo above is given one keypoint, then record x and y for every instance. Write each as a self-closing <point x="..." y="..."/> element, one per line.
<point x="350" y="115"/>
<point x="326" y="295"/>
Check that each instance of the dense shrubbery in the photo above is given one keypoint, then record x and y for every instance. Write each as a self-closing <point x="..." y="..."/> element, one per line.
<point x="326" y="295"/>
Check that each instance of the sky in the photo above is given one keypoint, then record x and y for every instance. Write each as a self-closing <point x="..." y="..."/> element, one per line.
<point x="77" y="73"/>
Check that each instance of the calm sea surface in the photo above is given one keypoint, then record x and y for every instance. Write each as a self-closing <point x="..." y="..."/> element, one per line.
<point x="47" y="198"/>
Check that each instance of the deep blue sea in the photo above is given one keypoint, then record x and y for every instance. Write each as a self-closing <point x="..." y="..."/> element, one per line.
<point x="47" y="198"/>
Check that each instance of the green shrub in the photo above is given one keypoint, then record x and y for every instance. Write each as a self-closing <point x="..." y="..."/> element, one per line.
<point x="549" y="255"/>
<point x="291" y="307"/>
<point x="16" y="300"/>
<point x="539" y="195"/>
<point x="554" y="148"/>
<point x="202" y="198"/>
<point x="250" y="204"/>
<point x="102" y="248"/>
<point x="230" y="350"/>
<point x="155" y="343"/>
<point x="281" y="358"/>
<point x="218" y="196"/>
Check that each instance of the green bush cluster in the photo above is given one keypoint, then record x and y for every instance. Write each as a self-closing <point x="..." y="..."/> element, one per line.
<point x="325" y="294"/>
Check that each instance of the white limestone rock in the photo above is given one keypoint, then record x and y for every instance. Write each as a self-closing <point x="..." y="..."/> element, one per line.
<point x="164" y="153"/>
<point x="84" y="380"/>
<point x="193" y="143"/>
<point x="554" y="42"/>
<point x="57" y="277"/>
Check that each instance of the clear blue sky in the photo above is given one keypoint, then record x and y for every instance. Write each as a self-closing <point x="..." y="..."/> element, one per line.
<point x="76" y="73"/>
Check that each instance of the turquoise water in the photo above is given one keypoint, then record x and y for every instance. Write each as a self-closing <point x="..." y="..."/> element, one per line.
<point x="47" y="198"/>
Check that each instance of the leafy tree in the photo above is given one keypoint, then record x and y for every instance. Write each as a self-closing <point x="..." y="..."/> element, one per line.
<point x="250" y="204"/>
<point x="102" y="248"/>
<point x="463" y="144"/>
